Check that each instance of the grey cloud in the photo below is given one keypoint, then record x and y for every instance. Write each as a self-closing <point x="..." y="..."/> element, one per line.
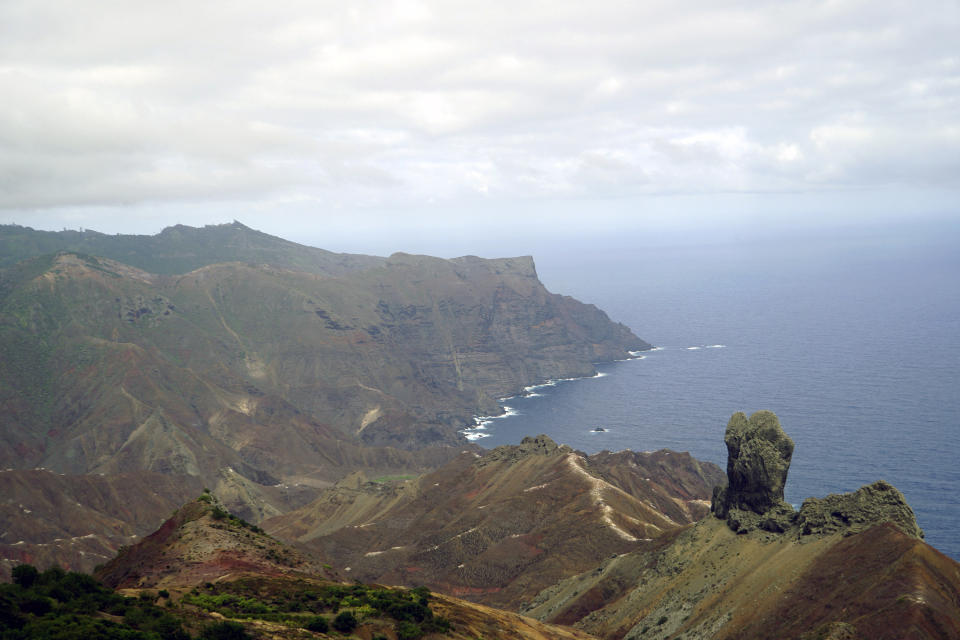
<point x="371" y="104"/>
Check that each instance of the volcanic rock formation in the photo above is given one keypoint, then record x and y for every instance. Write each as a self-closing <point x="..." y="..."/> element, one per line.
<point x="757" y="465"/>
<point x="759" y="453"/>
<point x="845" y="566"/>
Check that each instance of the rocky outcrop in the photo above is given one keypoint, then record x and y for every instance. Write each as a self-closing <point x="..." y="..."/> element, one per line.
<point x="842" y="567"/>
<point x="854" y="512"/>
<point x="539" y="445"/>
<point x="759" y="453"/>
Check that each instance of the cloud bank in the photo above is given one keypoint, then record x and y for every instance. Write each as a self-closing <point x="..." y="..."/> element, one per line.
<point x="395" y="108"/>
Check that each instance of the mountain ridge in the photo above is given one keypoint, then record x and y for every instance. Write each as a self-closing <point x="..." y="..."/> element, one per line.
<point x="252" y="375"/>
<point x="849" y="566"/>
<point x="496" y="528"/>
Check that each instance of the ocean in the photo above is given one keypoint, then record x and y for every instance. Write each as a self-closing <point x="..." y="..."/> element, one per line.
<point x="851" y="337"/>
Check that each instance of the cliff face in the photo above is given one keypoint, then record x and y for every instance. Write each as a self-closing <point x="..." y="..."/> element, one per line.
<point x="180" y="374"/>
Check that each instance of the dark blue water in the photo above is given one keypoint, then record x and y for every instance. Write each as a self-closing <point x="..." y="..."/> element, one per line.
<point x="852" y="339"/>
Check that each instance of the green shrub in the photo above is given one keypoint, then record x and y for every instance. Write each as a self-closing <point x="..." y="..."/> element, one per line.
<point x="25" y="575"/>
<point x="408" y="631"/>
<point x="345" y="622"/>
<point x="318" y="624"/>
<point x="227" y="630"/>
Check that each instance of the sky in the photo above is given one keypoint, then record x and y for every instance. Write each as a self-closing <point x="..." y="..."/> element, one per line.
<point x="369" y="125"/>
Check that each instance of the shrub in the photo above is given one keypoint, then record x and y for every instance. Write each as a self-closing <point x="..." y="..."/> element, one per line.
<point x="345" y="622"/>
<point x="408" y="631"/>
<point x="225" y="631"/>
<point x="25" y="575"/>
<point x="318" y="624"/>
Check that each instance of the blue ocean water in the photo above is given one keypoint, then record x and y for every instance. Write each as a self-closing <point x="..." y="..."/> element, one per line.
<point x="852" y="338"/>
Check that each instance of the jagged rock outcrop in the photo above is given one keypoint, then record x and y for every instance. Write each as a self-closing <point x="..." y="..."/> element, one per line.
<point x="759" y="459"/>
<point x="759" y="453"/>
<point x="843" y="567"/>
<point x="854" y="512"/>
<point x="537" y="445"/>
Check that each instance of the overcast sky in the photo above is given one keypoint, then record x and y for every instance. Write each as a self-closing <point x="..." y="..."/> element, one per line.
<point x="330" y="120"/>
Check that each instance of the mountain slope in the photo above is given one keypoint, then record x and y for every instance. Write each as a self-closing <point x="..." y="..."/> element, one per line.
<point x="202" y="542"/>
<point x="402" y="354"/>
<point x="500" y="527"/>
<point x="80" y="521"/>
<point x="848" y="566"/>
<point x="261" y="381"/>
<point x="210" y="563"/>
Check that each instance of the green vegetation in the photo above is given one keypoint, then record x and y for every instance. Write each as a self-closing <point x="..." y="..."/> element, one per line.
<point x="318" y="624"/>
<point x="219" y="513"/>
<point x="302" y="604"/>
<point x="345" y="622"/>
<point x="178" y="249"/>
<point x="57" y="605"/>
<point x="224" y="631"/>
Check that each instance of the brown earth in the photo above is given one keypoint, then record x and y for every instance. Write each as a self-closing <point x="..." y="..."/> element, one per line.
<point x="264" y="382"/>
<point x="708" y="582"/>
<point x="500" y="527"/>
<point x="201" y="542"/>
<point x="80" y="521"/>
<point x="843" y="567"/>
<point x="200" y="545"/>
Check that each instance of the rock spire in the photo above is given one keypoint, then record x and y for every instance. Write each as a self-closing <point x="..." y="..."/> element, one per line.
<point x="758" y="459"/>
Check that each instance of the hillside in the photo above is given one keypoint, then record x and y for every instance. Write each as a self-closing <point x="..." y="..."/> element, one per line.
<point x="213" y="565"/>
<point x="265" y="380"/>
<point x="78" y="522"/>
<point x="203" y="542"/>
<point x="849" y="566"/>
<point x="500" y="527"/>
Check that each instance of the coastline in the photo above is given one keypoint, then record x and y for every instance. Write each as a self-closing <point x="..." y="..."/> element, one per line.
<point x="478" y="430"/>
